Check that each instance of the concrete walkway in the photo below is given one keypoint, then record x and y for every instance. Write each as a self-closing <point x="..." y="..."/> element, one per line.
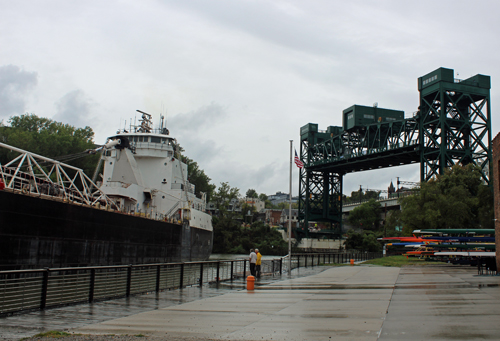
<point x="436" y="302"/>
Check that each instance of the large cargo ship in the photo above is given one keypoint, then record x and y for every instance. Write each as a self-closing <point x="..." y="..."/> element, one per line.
<point x="141" y="210"/>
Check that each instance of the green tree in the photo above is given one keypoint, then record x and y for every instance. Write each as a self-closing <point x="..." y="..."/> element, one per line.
<point x="455" y="199"/>
<point x="358" y="196"/>
<point x="366" y="215"/>
<point x="363" y="241"/>
<point x="231" y="237"/>
<point x="267" y="203"/>
<point x="222" y="198"/>
<point x="198" y="178"/>
<point x="247" y="212"/>
<point x="251" y="193"/>
<point x="371" y="195"/>
<point x="486" y="212"/>
<point x="51" y="139"/>
<point x="392" y="223"/>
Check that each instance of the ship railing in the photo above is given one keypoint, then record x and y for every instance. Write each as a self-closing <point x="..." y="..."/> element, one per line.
<point x="39" y="289"/>
<point x="172" y="211"/>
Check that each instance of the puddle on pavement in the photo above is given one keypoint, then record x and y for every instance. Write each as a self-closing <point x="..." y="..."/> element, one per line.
<point x="488" y="285"/>
<point x="444" y="286"/>
<point x="326" y="287"/>
<point x="27" y="324"/>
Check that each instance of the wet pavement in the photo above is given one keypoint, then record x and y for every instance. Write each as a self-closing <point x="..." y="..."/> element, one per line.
<point x="74" y="316"/>
<point x="432" y="302"/>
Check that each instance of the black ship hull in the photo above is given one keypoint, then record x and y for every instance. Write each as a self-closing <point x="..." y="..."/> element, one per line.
<point x="40" y="232"/>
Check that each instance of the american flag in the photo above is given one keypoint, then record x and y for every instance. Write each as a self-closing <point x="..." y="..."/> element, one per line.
<point x="299" y="163"/>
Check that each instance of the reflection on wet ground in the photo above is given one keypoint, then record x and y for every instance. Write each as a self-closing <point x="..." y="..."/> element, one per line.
<point x="74" y="316"/>
<point x="435" y="302"/>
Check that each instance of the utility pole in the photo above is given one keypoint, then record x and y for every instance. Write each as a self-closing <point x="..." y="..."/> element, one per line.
<point x="290" y="216"/>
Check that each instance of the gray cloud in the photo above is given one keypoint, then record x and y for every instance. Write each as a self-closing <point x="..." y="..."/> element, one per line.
<point x="203" y="117"/>
<point x="15" y="85"/>
<point x="270" y="67"/>
<point x="74" y="108"/>
<point x="201" y="151"/>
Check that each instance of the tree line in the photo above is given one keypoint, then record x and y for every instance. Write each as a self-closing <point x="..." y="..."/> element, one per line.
<point x="457" y="199"/>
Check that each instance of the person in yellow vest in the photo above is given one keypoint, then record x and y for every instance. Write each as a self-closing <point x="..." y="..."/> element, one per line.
<point x="258" y="263"/>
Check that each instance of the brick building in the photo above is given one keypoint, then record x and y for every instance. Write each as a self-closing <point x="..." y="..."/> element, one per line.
<point x="273" y="217"/>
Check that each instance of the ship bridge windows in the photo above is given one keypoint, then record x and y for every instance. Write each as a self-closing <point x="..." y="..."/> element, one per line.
<point x="155" y="139"/>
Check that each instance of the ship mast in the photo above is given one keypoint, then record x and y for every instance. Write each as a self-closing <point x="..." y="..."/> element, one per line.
<point x="146" y="123"/>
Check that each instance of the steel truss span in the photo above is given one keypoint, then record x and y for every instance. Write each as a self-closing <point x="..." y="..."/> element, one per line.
<point x="451" y="126"/>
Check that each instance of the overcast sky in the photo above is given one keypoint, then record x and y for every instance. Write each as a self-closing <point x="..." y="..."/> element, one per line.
<point x="237" y="79"/>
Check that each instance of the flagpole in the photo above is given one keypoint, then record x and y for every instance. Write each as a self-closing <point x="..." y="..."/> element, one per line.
<point x="290" y="216"/>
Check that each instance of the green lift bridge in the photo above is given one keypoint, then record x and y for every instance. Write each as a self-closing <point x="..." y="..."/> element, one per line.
<point x="452" y="126"/>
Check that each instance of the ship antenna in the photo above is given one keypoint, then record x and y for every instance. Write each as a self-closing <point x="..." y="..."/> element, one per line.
<point x="146" y="124"/>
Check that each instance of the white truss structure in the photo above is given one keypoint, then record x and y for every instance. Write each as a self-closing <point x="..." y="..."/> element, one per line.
<point x="34" y="174"/>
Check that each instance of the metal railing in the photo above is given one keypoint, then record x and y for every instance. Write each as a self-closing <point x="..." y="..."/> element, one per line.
<point x="315" y="259"/>
<point x="27" y="290"/>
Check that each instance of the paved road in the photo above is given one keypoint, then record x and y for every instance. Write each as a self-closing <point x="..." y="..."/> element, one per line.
<point x="433" y="302"/>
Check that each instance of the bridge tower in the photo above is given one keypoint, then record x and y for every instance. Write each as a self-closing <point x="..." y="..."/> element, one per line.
<point x="454" y="122"/>
<point x="320" y="190"/>
<point x="452" y="126"/>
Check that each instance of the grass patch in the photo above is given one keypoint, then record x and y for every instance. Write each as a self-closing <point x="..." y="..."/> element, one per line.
<point x="57" y="334"/>
<point x="399" y="261"/>
<point x="53" y="333"/>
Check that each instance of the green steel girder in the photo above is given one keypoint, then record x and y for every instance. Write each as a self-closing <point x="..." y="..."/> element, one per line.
<point x="374" y="146"/>
<point x="323" y="203"/>
<point x="452" y="126"/>
<point x="455" y="126"/>
<point x="328" y="158"/>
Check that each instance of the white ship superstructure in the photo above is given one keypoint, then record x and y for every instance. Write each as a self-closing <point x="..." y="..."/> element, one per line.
<point x="144" y="176"/>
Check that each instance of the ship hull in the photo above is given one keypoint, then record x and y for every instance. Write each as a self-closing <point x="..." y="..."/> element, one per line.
<point x="37" y="232"/>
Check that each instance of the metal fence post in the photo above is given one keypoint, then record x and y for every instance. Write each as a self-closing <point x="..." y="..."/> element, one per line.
<point x="129" y="280"/>
<point x="181" y="281"/>
<point x="244" y="269"/>
<point x="232" y="270"/>
<point x="218" y="272"/>
<point x="201" y="274"/>
<point x="45" y="284"/>
<point x="92" y="285"/>
<point x="158" y="272"/>
<point x="281" y="266"/>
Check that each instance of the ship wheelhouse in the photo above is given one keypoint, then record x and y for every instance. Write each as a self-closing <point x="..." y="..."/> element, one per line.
<point x="144" y="176"/>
